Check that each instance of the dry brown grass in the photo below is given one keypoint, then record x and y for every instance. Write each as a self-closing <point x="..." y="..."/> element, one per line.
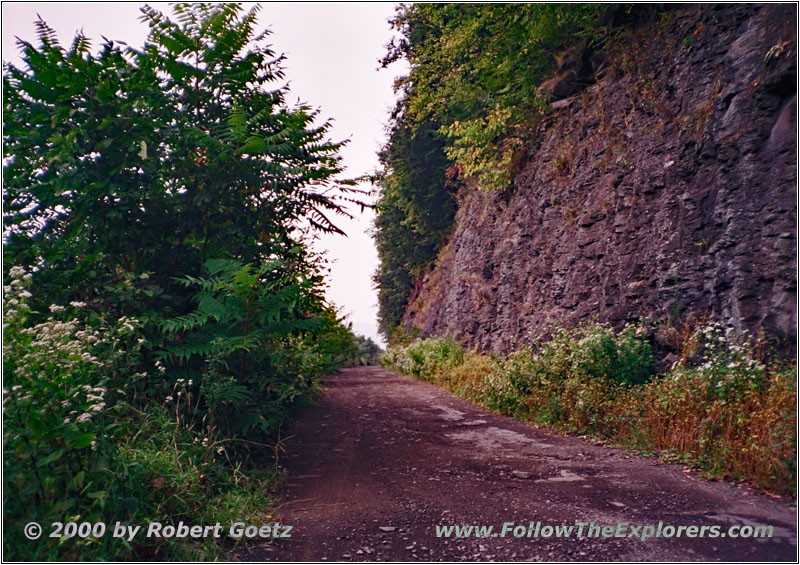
<point x="467" y="380"/>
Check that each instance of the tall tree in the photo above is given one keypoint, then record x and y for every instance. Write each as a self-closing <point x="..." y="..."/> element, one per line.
<point x="153" y="160"/>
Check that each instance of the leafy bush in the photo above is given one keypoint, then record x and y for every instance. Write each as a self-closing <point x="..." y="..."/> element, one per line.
<point x="82" y="441"/>
<point x="162" y="315"/>
<point x="469" y="378"/>
<point x="238" y="345"/>
<point x="424" y="359"/>
<point x="570" y="379"/>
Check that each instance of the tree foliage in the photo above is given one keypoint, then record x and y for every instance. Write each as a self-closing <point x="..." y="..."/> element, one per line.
<point x="415" y="209"/>
<point x="475" y="70"/>
<point x="155" y="204"/>
<point x="153" y="160"/>
<point x="467" y="112"/>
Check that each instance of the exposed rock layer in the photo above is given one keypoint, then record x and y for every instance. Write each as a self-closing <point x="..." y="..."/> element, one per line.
<point x="666" y="188"/>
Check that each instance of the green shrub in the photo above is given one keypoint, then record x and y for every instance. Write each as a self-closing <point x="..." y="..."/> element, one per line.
<point x="469" y="378"/>
<point x="507" y="387"/>
<point x="425" y="358"/>
<point x="76" y="448"/>
<point x="568" y="379"/>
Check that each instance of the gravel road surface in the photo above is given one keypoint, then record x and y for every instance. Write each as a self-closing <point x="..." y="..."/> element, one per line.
<point x="384" y="460"/>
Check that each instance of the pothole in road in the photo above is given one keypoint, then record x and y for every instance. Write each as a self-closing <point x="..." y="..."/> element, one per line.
<point x="449" y="414"/>
<point x="564" y="476"/>
<point x="491" y="439"/>
<point x="473" y="423"/>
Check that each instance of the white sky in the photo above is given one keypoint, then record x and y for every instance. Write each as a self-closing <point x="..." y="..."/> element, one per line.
<point x="332" y="54"/>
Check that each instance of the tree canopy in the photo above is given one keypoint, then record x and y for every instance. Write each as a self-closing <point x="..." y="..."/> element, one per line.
<point x="156" y="203"/>
<point x="153" y="160"/>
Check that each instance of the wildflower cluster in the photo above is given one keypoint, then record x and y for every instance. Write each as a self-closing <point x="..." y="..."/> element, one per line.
<point x="724" y="361"/>
<point x="15" y="297"/>
<point x="56" y="401"/>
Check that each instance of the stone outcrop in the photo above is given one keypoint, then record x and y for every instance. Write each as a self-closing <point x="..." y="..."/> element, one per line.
<point x="666" y="188"/>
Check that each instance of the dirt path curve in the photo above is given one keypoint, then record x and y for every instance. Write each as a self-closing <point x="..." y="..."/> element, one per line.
<point x="384" y="459"/>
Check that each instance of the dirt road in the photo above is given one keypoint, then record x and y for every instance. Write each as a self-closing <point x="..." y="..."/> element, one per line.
<point x="384" y="459"/>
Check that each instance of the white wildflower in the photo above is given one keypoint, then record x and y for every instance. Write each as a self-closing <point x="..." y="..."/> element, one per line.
<point x="76" y="304"/>
<point x="56" y="308"/>
<point x="85" y="417"/>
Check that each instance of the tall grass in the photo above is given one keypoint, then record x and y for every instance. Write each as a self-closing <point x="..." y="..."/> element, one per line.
<point x="723" y="407"/>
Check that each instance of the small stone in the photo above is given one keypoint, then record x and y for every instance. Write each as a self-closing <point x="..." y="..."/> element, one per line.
<point x="521" y="474"/>
<point x="387" y="528"/>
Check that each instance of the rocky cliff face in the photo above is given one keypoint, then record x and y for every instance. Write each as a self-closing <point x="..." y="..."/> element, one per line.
<point x="666" y="188"/>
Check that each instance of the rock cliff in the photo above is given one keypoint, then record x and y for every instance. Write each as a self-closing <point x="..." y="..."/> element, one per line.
<point x="665" y="188"/>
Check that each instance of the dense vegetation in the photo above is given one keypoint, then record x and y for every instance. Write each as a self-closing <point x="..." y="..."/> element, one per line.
<point x="468" y="109"/>
<point x="723" y="407"/>
<point x="162" y="313"/>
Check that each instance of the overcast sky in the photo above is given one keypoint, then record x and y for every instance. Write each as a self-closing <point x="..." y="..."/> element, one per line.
<point x="332" y="54"/>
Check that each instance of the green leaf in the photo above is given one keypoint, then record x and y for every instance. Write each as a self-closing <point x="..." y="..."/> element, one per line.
<point x="254" y="144"/>
<point x="77" y="482"/>
<point x="82" y="440"/>
<point x="55" y="456"/>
